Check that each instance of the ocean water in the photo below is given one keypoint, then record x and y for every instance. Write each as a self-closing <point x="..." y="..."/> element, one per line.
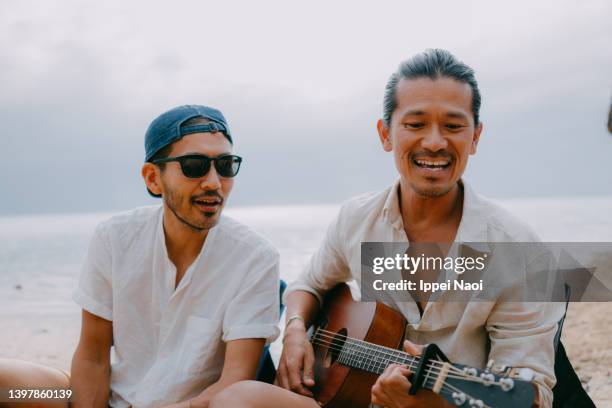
<point x="40" y="258"/>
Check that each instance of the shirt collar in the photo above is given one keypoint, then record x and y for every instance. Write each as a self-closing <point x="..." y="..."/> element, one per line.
<point x="473" y="224"/>
<point x="391" y="210"/>
<point x="161" y="239"/>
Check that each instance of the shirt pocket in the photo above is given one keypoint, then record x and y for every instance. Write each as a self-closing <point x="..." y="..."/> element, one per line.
<point x="201" y="344"/>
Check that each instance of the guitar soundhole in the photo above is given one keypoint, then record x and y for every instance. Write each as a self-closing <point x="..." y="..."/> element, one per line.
<point x="334" y="348"/>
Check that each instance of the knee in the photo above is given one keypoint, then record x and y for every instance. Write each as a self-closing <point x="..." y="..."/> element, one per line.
<point x="8" y="373"/>
<point x="17" y="373"/>
<point x="239" y="394"/>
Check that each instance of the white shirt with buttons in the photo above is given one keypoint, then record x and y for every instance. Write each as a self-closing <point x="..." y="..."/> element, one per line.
<point x="511" y="333"/>
<point x="169" y="343"/>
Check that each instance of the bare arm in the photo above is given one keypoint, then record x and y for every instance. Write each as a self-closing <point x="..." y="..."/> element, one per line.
<point x="241" y="360"/>
<point x="296" y="365"/>
<point x="90" y="373"/>
<point x="327" y="268"/>
<point x="303" y="304"/>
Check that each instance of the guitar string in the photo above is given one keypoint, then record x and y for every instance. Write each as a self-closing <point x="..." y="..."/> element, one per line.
<point x="376" y="347"/>
<point x="329" y="342"/>
<point x="457" y="390"/>
<point x="365" y="346"/>
<point x="387" y="350"/>
<point x="431" y="376"/>
<point x="431" y="369"/>
<point x="376" y="363"/>
<point x="363" y="353"/>
<point x="380" y="349"/>
<point x="450" y="390"/>
<point x="412" y="363"/>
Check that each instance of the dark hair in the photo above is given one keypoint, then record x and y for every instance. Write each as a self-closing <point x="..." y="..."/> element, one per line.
<point x="165" y="151"/>
<point x="432" y="63"/>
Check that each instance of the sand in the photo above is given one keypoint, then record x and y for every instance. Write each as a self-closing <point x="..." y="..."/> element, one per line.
<point x="587" y="336"/>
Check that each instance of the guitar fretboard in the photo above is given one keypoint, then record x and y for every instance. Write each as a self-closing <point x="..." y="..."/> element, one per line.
<point x="372" y="357"/>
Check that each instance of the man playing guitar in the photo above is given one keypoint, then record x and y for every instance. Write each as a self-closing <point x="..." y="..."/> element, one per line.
<point x="431" y="126"/>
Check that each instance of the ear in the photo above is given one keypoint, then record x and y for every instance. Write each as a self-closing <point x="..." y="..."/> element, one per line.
<point x="151" y="175"/>
<point x="476" y="138"/>
<point x="385" y="136"/>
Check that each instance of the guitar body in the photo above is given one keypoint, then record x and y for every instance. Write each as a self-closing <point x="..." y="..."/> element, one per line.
<point x="339" y="386"/>
<point x="354" y="342"/>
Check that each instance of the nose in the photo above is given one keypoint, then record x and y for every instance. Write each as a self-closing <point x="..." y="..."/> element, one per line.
<point x="434" y="140"/>
<point x="211" y="180"/>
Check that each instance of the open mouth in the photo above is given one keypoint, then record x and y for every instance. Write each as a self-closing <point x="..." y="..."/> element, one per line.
<point x="432" y="165"/>
<point x="209" y="205"/>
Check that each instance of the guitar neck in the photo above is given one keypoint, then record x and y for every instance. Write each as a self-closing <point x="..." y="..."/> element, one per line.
<point x="372" y="357"/>
<point x="456" y="383"/>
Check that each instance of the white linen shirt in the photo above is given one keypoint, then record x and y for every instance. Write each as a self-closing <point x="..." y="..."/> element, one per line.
<point x="512" y="333"/>
<point x="169" y="344"/>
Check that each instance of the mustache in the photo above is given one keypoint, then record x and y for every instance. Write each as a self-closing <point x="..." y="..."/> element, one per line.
<point x="442" y="154"/>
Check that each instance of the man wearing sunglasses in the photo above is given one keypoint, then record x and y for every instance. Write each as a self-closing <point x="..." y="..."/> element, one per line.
<point x="184" y="297"/>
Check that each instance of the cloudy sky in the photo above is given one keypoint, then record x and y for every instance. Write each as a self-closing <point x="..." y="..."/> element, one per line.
<point x="301" y="84"/>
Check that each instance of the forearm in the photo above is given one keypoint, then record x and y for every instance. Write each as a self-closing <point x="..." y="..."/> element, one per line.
<point x="303" y="304"/>
<point x="90" y="382"/>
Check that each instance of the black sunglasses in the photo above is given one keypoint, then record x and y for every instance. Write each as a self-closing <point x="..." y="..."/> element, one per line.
<point x="198" y="165"/>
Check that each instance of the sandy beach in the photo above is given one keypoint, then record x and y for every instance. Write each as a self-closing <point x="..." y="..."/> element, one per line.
<point x="586" y="337"/>
<point x="40" y="258"/>
<point x="50" y="340"/>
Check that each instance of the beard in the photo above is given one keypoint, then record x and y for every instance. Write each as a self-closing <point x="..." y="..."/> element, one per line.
<point x="431" y="192"/>
<point x="191" y="217"/>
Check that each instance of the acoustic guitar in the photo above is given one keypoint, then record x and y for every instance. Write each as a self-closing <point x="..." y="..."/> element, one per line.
<point x="355" y="341"/>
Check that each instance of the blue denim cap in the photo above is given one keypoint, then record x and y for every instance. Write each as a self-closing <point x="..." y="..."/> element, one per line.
<point x="166" y="128"/>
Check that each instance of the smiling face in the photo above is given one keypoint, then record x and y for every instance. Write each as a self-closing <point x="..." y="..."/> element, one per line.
<point x="195" y="202"/>
<point x="431" y="133"/>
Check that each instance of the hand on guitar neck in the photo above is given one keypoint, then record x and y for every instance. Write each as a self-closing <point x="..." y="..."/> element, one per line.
<point x="390" y="390"/>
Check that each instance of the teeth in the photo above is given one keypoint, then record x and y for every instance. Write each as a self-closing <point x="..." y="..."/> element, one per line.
<point x="432" y="163"/>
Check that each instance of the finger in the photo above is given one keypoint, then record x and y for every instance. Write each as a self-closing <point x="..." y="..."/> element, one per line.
<point x="386" y="377"/>
<point x="309" y="360"/>
<point x="377" y="397"/>
<point x="380" y="394"/>
<point x="385" y="374"/>
<point x="414" y="349"/>
<point x="399" y="379"/>
<point x="294" y="372"/>
<point x="390" y="368"/>
<point x="404" y="371"/>
<point x="282" y="375"/>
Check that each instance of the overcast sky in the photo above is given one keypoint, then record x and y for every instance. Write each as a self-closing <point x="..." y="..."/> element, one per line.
<point x="301" y="84"/>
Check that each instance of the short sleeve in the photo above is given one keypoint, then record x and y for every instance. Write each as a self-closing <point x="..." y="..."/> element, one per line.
<point x="94" y="291"/>
<point x="327" y="266"/>
<point x="254" y="311"/>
